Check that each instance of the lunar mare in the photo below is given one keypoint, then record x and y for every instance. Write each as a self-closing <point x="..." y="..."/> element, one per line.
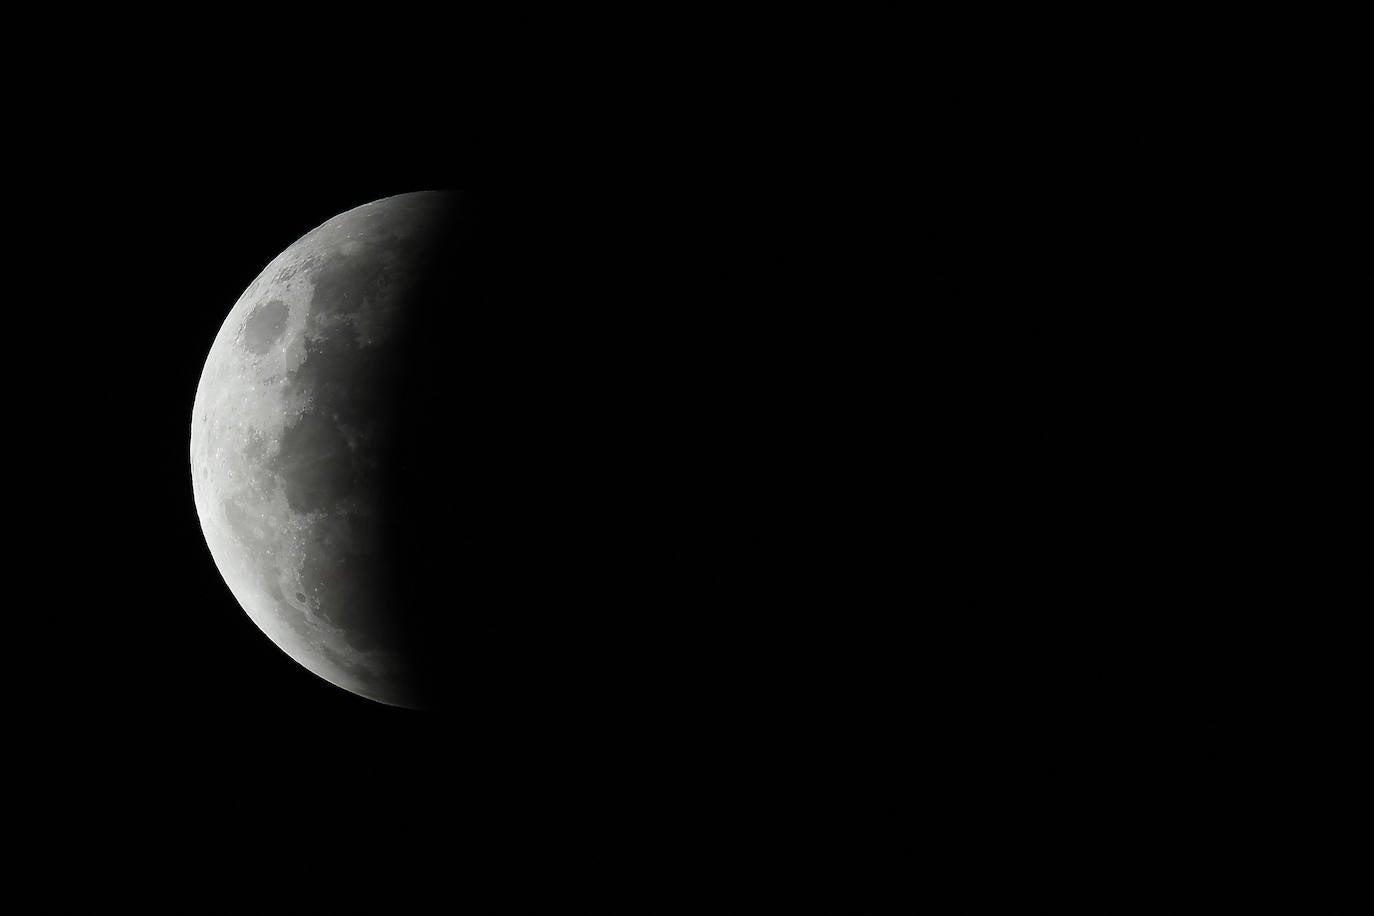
<point x="289" y="434"/>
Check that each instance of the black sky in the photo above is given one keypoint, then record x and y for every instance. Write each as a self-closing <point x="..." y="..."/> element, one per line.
<point x="616" y="377"/>
<point x="142" y="629"/>
<point x="645" y="372"/>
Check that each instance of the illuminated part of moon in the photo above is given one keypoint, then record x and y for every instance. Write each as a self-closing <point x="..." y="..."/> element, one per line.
<point x="289" y="428"/>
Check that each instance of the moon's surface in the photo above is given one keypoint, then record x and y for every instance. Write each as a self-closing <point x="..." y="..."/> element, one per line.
<point x="289" y="434"/>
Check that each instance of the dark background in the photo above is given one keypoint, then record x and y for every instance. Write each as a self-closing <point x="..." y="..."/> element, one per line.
<point x="606" y="378"/>
<point x="653" y="328"/>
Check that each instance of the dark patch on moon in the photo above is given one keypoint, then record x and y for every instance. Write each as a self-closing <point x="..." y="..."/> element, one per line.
<point x="354" y="611"/>
<point x="264" y="327"/>
<point x="346" y="284"/>
<point x="348" y="589"/>
<point x="314" y="463"/>
<point x="351" y="388"/>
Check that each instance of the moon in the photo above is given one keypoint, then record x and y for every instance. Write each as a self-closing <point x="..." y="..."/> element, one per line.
<point x="291" y="435"/>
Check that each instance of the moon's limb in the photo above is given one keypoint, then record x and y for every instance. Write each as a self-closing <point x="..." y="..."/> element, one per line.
<point x="289" y="418"/>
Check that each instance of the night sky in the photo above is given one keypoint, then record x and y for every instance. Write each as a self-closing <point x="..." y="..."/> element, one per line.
<point x="561" y="392"/>
<point x="612" y="385"/>
<point x="639" y="404"/>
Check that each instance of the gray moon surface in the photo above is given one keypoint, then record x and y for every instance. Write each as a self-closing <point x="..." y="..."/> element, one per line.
<point x="287" y="434"/>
